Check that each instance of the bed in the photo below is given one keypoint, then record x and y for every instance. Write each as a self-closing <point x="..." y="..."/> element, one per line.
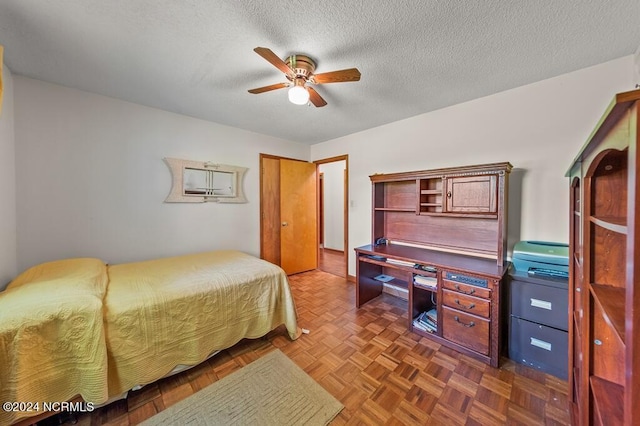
<point x="78" y="327"/>
<point x="167" y="312"/>
<point x="52" y="344"/>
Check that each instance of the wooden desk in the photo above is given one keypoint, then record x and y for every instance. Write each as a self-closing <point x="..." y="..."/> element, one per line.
<point x="466" y="296"/>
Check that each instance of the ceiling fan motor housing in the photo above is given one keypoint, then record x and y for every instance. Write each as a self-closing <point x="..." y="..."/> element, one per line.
<point x="302" y="66"/>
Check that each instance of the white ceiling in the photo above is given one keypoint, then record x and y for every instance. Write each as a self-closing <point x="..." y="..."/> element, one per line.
<point x="195" y="57"/>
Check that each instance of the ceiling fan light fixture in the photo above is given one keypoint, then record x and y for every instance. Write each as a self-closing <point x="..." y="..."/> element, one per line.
<point x="298" y="94"/>
<point x="300" y="70"/>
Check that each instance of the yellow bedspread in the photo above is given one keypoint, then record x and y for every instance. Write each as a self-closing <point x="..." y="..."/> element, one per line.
<point x="176" y="311"/>
<point x="52" y="345"/>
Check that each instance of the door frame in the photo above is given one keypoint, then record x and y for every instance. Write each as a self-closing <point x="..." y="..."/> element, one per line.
<point x="320" y="208"/>
<point x="344" y="157"/>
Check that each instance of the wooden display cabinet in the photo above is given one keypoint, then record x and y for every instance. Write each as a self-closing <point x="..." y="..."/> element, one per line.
<point x="441" y="236"/>
<point x="604" y="298"/>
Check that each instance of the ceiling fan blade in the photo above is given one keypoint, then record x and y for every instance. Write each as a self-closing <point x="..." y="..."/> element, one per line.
<point x="351" y="74"/>
<point x="274" y="60"/>
<point x="315" y="98"/>
<point x="269" y="88"/>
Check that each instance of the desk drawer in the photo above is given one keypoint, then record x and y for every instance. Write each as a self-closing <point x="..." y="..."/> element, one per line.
<point x="467" y="330"/>
<point x="469" y="290"/>
<point x="470" y="304"/>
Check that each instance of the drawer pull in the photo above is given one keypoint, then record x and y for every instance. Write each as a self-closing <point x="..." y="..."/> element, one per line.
<point x="456" y="319"/>
<point x="471" y="306"/>
<point x="598" y="342"/>
<point x="541" y="344"/>
<point x="457" y="287"/>
<point x="542" y="304"/>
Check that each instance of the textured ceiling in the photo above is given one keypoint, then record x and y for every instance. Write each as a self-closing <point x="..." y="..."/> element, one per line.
<point x="195" y="57"/>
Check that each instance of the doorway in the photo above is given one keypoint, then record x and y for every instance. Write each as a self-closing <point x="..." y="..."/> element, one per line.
<point x="329" y="252"/>
<point x="333" y="215"/>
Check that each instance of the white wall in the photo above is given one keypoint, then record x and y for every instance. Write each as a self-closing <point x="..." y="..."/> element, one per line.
<point x="538" y="128"/>
<point x="333" y="177"/>
<point x="8" y="262"/>
<point x="91" y="180"/>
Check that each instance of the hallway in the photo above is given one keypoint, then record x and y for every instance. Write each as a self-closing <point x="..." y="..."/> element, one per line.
<point x="332" y="261"/>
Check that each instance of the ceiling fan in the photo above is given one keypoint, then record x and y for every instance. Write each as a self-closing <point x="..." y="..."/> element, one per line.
<point x="299" y="71"/>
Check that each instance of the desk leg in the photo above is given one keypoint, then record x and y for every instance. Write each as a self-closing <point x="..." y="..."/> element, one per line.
<point x="366" y="287"/>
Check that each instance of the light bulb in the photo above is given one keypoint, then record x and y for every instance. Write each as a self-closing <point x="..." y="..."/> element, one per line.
<point x="298" y="95"/>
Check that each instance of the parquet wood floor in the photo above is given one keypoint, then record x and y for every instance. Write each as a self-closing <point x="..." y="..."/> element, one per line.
<point x="331" y="261"/>
<point x="366" y="358"/>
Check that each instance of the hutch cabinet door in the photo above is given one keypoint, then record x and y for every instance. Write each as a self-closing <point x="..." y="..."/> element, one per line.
<point x="472" y="194"/>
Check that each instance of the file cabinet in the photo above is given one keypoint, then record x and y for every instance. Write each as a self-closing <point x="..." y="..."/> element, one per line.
<point x="538" y="323"/>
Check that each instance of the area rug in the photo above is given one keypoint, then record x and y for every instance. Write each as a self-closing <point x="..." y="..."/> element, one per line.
<point x="272" y="390"/>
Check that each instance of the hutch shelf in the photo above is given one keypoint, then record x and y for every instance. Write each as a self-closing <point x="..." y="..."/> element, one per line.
<point x="604" y="282"/>
<point x="440" y="235"/>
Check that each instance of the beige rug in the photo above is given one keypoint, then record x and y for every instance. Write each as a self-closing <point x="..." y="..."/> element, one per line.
<point x="272" y="390"/>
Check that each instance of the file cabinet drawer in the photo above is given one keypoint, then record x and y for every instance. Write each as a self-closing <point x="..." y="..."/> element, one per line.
<point x="539" y="346"/>
<point x="542" y="301"/>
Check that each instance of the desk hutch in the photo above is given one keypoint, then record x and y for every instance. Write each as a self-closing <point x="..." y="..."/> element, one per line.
<point x="441" y="235"/>
<point x="604" y="282"/>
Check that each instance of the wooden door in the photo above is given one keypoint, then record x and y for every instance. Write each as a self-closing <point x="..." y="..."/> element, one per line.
<point x="270" y="209"/>
<point x="298" y="214"/>
<point x="472" y="194"/>
<point x="288" y="197"/>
